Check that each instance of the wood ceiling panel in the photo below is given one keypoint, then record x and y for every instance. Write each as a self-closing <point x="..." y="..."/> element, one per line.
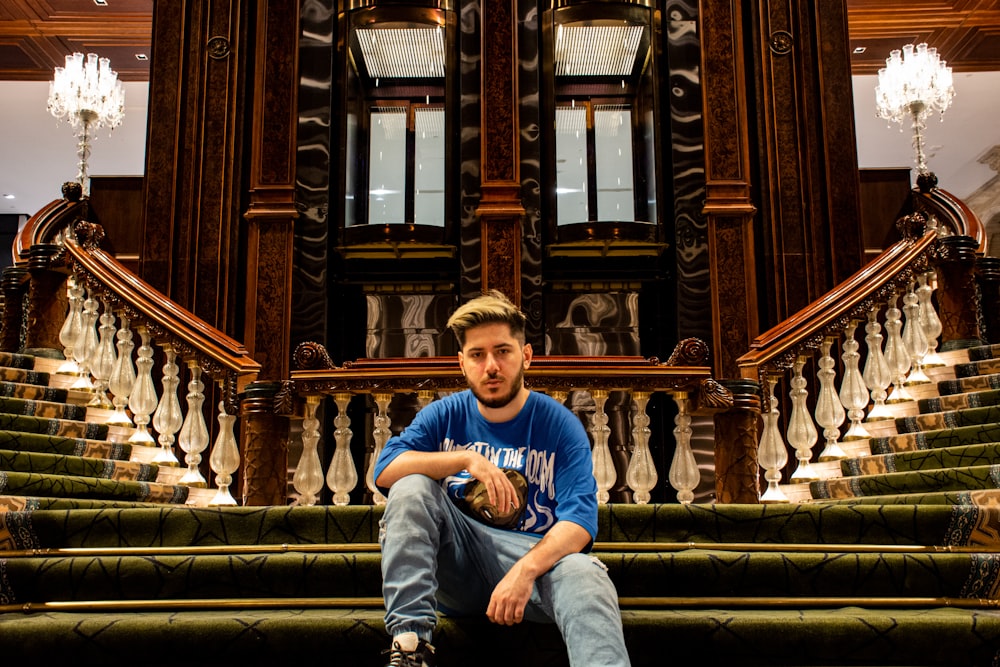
<point x="964" y="32"/>
<point x="36" y="35"/>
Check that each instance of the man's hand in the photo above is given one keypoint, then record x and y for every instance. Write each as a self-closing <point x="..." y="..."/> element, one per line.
<point x="500" y="490"/>
<point x="511" y="596"/>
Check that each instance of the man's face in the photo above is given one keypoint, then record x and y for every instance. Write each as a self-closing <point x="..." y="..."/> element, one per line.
<point x="493" y="362"/>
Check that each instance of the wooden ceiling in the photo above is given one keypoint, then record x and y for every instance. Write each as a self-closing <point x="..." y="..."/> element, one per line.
<point x="36" y="35"/>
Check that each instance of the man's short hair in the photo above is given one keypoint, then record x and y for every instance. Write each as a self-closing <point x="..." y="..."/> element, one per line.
<point x="489" y="308"/>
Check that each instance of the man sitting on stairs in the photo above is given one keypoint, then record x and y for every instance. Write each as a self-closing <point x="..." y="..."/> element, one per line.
<point x="492" y="506"/>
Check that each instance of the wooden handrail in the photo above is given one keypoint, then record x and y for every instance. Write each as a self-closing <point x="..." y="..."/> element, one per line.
<point x="775" y="350"/>
<point x="680" y="374"/>
<point x="955" y="213"/>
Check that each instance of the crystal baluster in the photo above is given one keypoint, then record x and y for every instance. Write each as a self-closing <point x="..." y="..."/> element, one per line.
<point x="604" y="466"/>
<point x="225" y="459"/>
<point x="102" y="364"/>
<point x="381" y="436"/>
<point x="683" y="475"/>
<point x="854" y="394"/>
<point x="641" y="473"/>
<point x="193" y="436"/>
<point x="342" y="476"/>
<point x="877" y="375"/>
<point x="896" y="355"/>
<point x="802" y="433"/>
<point x="929" y="318"/>
<point x="913" y="336"/>
<point x="72" y="327"/>
<point x="167" y="419"/>
<point x="123" y="376"/>
<point x="308" y="477"/>
<point x="86" y="343"/>
<point x="142" y="399"/>
<point x="830" y="412"/>
<point x="772" y="455"/>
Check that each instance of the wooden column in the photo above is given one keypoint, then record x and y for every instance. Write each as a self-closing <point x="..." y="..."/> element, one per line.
<point x="271" y="213"/>
<point x="263" y="438"/>
<point x="737" y="432"/>
<point x="958" y="299"/>
<point x="728" y="208"/>
<point x="195" y="153"/>
<point x="500" y="209"/>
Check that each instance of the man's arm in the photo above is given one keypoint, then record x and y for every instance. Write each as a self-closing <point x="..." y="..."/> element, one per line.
<point x="511" y="595"/>
<point x="438" y="465"/>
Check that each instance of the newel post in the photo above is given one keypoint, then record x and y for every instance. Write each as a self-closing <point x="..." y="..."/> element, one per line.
<point x="737" y="433"/>
<point x="14" y="285"/>
<point x="958" y="299"/>
<point x="265" y="451"/>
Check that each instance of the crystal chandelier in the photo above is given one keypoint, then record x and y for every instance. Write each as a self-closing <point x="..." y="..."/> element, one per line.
<point x="87" y="94"/>
<point x="914" y="84"/>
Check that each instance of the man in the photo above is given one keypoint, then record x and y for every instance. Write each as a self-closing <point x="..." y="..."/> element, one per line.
<point x="435" y="556"/>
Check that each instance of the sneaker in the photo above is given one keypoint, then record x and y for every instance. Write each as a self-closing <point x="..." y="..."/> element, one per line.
<point x="422" y="656"/>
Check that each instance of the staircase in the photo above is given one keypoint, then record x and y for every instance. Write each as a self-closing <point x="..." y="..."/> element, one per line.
<point x="58" y="450"/>
<point x="892" y="559"/>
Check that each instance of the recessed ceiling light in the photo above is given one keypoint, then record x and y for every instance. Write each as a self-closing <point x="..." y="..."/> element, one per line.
<point x="101" y="3"/>
<point x="9" y="196"/>
<point x="858" y="50"/>
<point x="141" y="56"/>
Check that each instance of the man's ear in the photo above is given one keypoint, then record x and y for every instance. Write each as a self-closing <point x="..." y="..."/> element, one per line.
<point x="461" y="362"/>
<point x="528" y="353"/>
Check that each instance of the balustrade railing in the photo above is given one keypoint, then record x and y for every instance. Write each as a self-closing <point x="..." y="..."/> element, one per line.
<point x="61" y="275"/>
<point x="921" y="292"/>
<point x="684" y="377"/>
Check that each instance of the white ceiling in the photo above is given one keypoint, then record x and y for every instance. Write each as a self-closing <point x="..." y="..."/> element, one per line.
<point x="40" y="152"/>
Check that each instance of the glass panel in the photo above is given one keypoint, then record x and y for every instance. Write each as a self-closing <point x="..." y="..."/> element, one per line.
<point x="428" y="176"/>
<point x="613" y="155"/>
<point x="387" y="171"/>
<point x="571" y="165"/>
<point x="350" y="177"/>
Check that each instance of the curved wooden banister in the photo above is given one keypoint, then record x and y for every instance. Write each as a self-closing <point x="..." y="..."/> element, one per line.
<point x="776" y="349"/>
<point x="189" y="334"/>
<point x="44" y="226"/>
<point x="60" y="222"/>
<point x="955" y="213"/>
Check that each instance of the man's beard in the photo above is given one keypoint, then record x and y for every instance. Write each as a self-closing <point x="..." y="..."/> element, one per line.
<point x="499" y="401"/>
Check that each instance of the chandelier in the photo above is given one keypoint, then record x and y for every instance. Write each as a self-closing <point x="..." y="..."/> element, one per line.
<point x="88" y="95"/>
<point x="914" y="84"/>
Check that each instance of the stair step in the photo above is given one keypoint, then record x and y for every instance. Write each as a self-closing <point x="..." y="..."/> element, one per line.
<point x="67" y="446"/>
<point x="740" y="571"/>
<point x="924" y="459"/>
<point x="949" y="419"/>
<point x="79" y="466"/>
<point x="249" y="633"/>
<point x="69" y="486"/>
<point x="946" y="437"/>
<point x="48" y="426"/>
<point x="33" y="392"/>
<point x="39" y="408"/>
<point x="910" y="482"/>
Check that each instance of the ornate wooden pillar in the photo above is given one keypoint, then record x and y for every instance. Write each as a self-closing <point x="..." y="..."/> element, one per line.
<point x="270" y="235"/>
<point x="809" y="231"/>
<point x="194" y="187"/>
<point x="729" y="208"/>
<point x="265" y="454"/>
<point x="47" y="299"/>
<point x="958" y="299"/>
<point x="737" y="432"/>
<point x="14" y="286"/>
<point x="500" y="209"/>
<point x="271" y="213"/>
<point x="988" y="276"/>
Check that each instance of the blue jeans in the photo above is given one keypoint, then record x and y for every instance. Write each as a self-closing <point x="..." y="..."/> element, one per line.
<point x="434" y="557"/>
